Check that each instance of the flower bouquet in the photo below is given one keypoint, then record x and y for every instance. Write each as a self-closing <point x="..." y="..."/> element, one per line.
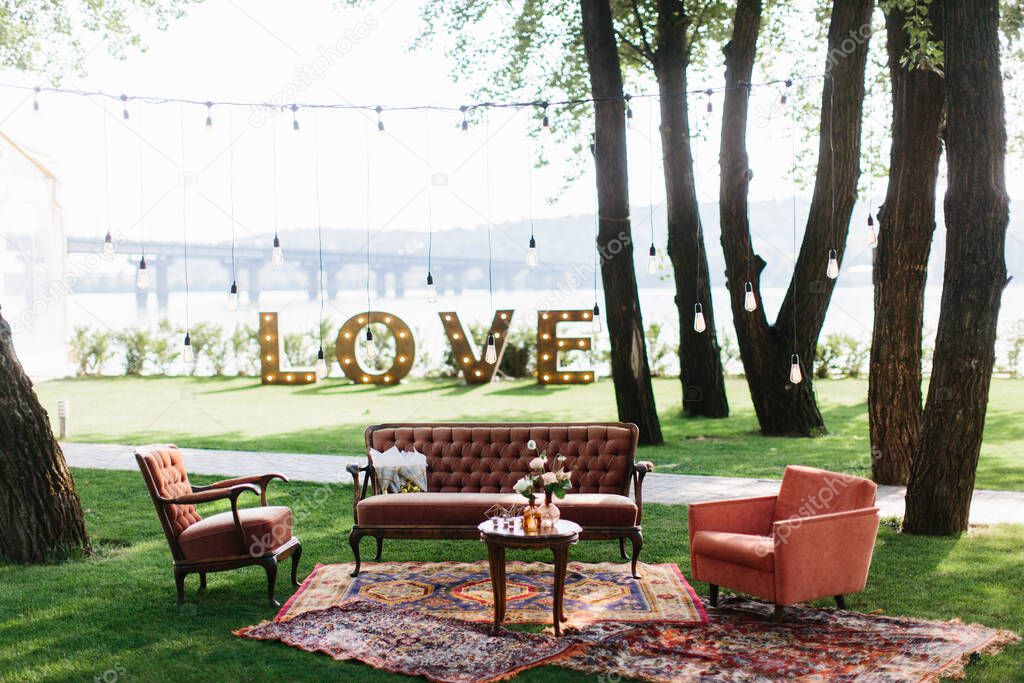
<point x="554" y="484"/>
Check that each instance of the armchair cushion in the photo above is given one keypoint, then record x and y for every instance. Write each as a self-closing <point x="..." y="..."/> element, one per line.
<point x="808" y="491"/>
<point x="749" y="550"/>
<point x="170" y="480"/>
<point x="265" y="529"/>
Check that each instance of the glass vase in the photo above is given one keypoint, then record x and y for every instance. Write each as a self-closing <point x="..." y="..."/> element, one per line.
<point x="531" y="517"/>
<point x="549" y="513"/>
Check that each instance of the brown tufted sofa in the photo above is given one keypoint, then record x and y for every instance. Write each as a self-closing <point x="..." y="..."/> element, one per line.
<point x="473" y="466"/>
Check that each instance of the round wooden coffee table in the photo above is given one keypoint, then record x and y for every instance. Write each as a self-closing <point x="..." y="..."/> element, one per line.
<point x="558" y="539"/>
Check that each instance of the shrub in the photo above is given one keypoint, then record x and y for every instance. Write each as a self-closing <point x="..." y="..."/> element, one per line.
<point x="519" y="359"/>
<point x="661" y="352"/>
<point x="163" y="349"/>
<point x="245" y="348"/>
<point x="840" y="355"/>
<point x="135" y="343"/>
<point x="91" y="350"/>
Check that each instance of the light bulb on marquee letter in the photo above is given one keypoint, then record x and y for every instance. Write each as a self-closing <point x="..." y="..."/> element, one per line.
<point x="698" y="319"/>
<point x="833" y="265"/>
<point x="491" y="355"/>
<point x="795" y="376"/>
<point x="749" y="299"/>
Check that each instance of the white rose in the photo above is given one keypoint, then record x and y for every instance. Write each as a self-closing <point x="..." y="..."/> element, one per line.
<point x="560" y="458"/>
<point x="562" y="475"/>
<point x="537" y="464"/>
<point x="549" y="478"/>
<point x="524" y="486"/>
<point x="531" y="445"/>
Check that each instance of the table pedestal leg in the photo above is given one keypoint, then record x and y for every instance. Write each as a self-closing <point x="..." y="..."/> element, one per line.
<point x="561" y="561"/>
<point x="496" y="559"/>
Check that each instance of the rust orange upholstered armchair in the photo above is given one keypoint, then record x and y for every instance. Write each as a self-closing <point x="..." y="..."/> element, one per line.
<point x="227" y="540"/>
<point x="812" y="540"/>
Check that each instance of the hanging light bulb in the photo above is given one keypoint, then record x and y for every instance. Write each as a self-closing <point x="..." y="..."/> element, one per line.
<point x="124" y="105"/>
<point x="795" y="375"/>
<point x="233" y="297"/>
<point x="698" y="319"/>
<point x="108" y="244"/>
<point x="465" y="123"/>
<point x="370" y="348"/>
<point x="629" y="111"/>
<point x="188" y="356"/>
<point x="380" y="121"/>
<point x="209" y="117"/>
<point x="531" y="253"/>
<point x="710" y="107"/>
<point x="833" y="265"/>
<point x="295" y="117"/>
<point x="142" y="280"/>
<point x="749" y="300"/>
<point x="321" y="364"/>
<point x="872" y="235"/>
<point x="491" y="355"/>
<point x="431" y="290"/>
<point x="652" y="260"/>
<point x="595" y="325"/>
<point x="545" y="122"/>
<point x="35" y="104"/>
<point x="783" y="101"/>
<point x="277" y="256"/>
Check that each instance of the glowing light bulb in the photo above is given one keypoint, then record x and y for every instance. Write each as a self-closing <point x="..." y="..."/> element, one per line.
<point x="370" y="348"/>
<point x="872" y="236"/>
<point x="108" y="244"/>
<point x="491" y="355"/>
<point x="277" y="256"/>
<point x="833" y="265"/>
<point x="188" y="356"/>
<point x="531" y="253"/>
<point x="233" y="297"/>
<point x="749" y="300"/>
<point x="698" y="319"/>
<point x="321" y="364"/>
<point x="431" y="290"/>
<point x="142" y="281"/>
<point x="652" y="260"/>
<point x="595" y="324"/>
<point x="795" y="375"/>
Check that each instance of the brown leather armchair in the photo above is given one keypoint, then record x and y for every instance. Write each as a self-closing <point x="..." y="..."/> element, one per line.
<point x="227" y="540"/>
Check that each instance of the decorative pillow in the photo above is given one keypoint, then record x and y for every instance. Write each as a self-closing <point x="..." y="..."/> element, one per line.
<point x="398" y="471"/>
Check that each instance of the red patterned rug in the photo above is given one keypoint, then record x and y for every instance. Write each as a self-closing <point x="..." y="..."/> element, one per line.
<point x="462" y="590"/>
<point x="411" y="643"/>
<point x="741" y="643"/>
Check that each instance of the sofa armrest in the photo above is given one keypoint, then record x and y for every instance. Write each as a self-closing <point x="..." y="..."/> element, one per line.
<point x="823" y="555"/>
<point x="359" y="493"/>
<point x="640" y="470"/>
<point x="261" y="480"/>
<point x="737" y="515"/>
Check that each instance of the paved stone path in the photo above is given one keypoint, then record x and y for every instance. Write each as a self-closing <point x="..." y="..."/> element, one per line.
<point x="988" y="507"/>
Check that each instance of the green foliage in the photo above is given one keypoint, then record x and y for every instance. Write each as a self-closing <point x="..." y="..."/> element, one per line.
<point x="163" y="349"/>
<point x="520" y="356"/>
<point x="923" y="50"/>
<point x="1014" y="338"/>
<point x="299" y="350"/>
<point x="135" y="343"/>
<point x="661" y="352"/>
<point x="91" y="349"/>
<point x="245" y="348"/>
<point x="840" y="355"/>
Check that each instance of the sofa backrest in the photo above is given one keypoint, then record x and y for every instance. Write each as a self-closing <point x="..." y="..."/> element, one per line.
<point x="492" y="457"/>
<point x="808" y="491"/>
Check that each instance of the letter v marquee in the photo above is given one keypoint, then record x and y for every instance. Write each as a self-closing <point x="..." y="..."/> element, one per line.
<point x="476" y="370"/>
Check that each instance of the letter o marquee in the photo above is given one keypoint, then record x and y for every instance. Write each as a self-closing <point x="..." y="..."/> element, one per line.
<point x="349" y="334"/>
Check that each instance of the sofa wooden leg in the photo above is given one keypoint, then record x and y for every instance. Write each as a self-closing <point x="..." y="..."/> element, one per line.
<point x="777" y="616"/>
<point x="622" y="548"/>
<point x="713" y="594"/>
<point x="296" y="556"/>
<point x="202" y="581"/>
<point x="270" y="564"/>
<point x="637" y="537"/>
<point x="179" y="581"/>
<point x="353" y="540"/>
<point x="380" y="548"/>
<point x="840" y="602"/>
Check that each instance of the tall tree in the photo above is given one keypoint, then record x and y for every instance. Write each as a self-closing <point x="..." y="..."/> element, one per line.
<point x="634" y="394"/>
<point x="977" y="212"/>
<point x="907" y="225"/>
<point x="784" y="408"/>
<point x="41" y="513"/>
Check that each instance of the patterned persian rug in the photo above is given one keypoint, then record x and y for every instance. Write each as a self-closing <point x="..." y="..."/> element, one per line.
<point x="406" y="642"/>
<point x="740" y="643"/>
<point x="462" y="590"/>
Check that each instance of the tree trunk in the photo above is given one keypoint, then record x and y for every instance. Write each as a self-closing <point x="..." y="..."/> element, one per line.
<point x="40" y="511"/>
<point x="700" y="360"/>
<point x="977" y="213"/>
<point x="907" y="225"/>
<point x="634" y="395"/>
<point x="784" y="408"/>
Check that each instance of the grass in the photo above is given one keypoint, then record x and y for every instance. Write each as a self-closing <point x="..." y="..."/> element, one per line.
<point x="113" y="617"/>
<point x="238" y="413"/>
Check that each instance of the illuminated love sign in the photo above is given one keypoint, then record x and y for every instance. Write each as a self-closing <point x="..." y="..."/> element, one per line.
<point x="274" y="368"/>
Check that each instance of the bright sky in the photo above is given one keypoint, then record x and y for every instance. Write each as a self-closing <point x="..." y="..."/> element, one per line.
<point x="316" y="51"/>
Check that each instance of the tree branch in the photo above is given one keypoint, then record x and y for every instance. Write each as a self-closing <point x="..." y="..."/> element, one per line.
<point x="650" y="53"/>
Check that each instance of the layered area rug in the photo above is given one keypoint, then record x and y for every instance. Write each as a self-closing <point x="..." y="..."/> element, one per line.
<point x="406" y="642"/>
<point x="462" y="590"/>
<point x="741" y="643"/>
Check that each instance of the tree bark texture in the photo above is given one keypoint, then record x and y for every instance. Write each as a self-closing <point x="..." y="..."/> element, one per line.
<point x="784" y="408"/>
<point x="977" y="212"/>
<point x="907" y="226"/>
<point x="700" y="359"/>
<point x="40" y="513"/>
<point x="631" y="373"/>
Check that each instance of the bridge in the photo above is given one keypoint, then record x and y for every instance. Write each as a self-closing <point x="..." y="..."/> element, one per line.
<point x="390" y="271"/>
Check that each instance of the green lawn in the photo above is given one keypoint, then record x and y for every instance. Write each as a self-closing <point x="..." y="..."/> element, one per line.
<point x="330" y="418"/>
<point x="113" y="617"/>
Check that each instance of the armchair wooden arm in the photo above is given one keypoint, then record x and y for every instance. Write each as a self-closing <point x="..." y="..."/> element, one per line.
<point x="212" y="494"/>
<point x="640" y="470"/>
<point x="358" y="493"/>
<point x="262" y="480"/>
